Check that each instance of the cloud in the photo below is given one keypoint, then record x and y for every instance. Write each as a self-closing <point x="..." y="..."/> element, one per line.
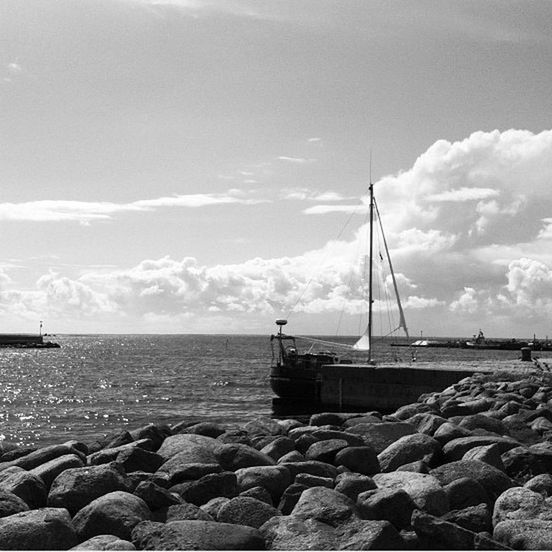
<point x="464" y="194"/>
<point x="87" y="212"/>
<point x="297" y="160"/>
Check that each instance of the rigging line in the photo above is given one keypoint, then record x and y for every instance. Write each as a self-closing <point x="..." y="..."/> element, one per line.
<point x="340" y="233"/>
<point x="324" y="342"/>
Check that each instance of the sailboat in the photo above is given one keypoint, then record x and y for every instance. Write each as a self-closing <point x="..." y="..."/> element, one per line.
<point x="322" y="379"/>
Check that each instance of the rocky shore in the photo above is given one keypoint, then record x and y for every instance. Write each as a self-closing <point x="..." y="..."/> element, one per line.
<point x="467" y="468"/>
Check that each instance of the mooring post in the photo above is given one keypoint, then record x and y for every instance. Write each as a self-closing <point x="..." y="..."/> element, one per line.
<point x="526" y="354"/>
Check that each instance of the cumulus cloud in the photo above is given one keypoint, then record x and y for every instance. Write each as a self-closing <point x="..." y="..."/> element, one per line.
<point x="298" y="160"/>
<point x="89" y="211"/>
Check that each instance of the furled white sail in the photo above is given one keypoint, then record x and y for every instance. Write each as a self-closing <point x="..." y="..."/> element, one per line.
<point x="363" y="344"/>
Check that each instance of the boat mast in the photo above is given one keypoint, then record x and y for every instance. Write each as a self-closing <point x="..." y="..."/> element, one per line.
<point x="370" y="264"/>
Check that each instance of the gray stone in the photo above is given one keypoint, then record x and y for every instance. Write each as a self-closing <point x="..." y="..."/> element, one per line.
<point x="521" y="503"/>
<point x="274" y="479"/>
<point x="11" y="504"/>
<point x="363" y="460"/>
<point x="51" y="469"/>
<point x="474" y="518"/>
<point x="465" y="492"/>
<point x="480" y="421"/>
<point x="209" y="429"/>
<point x="324" y="504"/>
<point x="380" y="435"/>
<point x="178" y="469"/>
<point x="105" y="542"/>
<point x="260" y="493"/>
<point x="448" y="432"/>
<point x="263" y="426"/>
<point x="325" y="451"/>
<point x="522" y="464"/>
<point x="455" y="449"/>
<point x="525" y="535"/>
<point x="196" y="535"/>
<point x="486" y="453"/>
<point x="180" y="512"/>
<point x="207" y="487"/>
<point x="409" y="448"/>
<point x="425" y="490"/>
<point x="313" y="467"/>
<point x="235" y="456"/>
<point x="293" y="456"/>
<point x="244" y="510"/>
<point x="41" y="456"/>
<point x="196" y="446"/>
<point x="352" y="439"/>
<point x="155" y="496"/>
<point x="540" y="484"/>
<point x="493" y="481"/>
<point x="214" y="505"/>
<point x="393" y="505"/>
<point x="139" y="459"/>
<point x="427" y="422"/>
<point x="28" y="487"/>
<point x="104" y="456"/>
<point x="291" y="497"/>
<point x="278" y="448"/>
<point x="116" y="513"/>
<point x="76" y="487"/>
<point x="43" y="529"/>
<point x="352" y="484"/>
<point x="314" y="480"/>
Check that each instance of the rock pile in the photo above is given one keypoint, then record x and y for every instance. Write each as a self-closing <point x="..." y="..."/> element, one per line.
<point x="467" y="468"/>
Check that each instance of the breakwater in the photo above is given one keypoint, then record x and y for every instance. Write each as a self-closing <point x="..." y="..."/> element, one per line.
<point x="465" y="468"/>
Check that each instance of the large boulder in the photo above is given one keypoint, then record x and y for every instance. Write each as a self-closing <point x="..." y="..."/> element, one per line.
<point x="424" y="490"/>
<point x="493" y="481"/>
<point x="139" y="459"/>
<point x="11" y="504"/>
<point x="325" y="451"/>
<point x="521" y="503"/>
<point x="474" y="518"/>
<point x="116" y="513"/>
<point x="380" y="435"/>
<point x="105" y="542"/>
<point x="278" y="448"/>
<point x="182" y="512"/>
<point x="41" y="456"/>
<point x="409" y="448"/>
<point x="540" y="484"/>
<point x="361" y="460"/>
<point x="106" y="455"/>
<point x="486" y="453"/>
<point x="465" y="492"/>
<point x="325" y="505"/>
<point x="327" y="434"/>
<point x="156" y="497"/>
<point x="196" y="535"/>
<point x="197" y="447"/>
<point x="42" y="529"/>
<point x="77" y="487"/>
<point x="274" y="479"/>
<point x="455" y="449"/>
<point x="393" y="505"/>
<point x="235" y="456"/>
<point x="28" y="487"/>
<point x="310" y="466"/>
<point x="525" y="534"/>
<point x="352" y="484"/>
<point x="244" y="510"/>
<point x="207" y="487"/>
<point x="263" y="426"/>
<point x="51" y="469"/>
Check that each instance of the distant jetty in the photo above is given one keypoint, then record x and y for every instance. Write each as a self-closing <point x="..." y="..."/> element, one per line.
<point x="26" y="341"/>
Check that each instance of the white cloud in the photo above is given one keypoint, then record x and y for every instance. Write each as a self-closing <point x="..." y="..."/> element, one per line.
<point x="86" y="212"/>
<point x="464" y="194"/>
<point x="298" y="160"/>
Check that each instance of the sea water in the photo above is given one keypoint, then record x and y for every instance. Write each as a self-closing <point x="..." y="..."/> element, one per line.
<point x="98" y="385"/>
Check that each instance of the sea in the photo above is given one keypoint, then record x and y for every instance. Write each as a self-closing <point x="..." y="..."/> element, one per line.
<point x="95" y="386"/>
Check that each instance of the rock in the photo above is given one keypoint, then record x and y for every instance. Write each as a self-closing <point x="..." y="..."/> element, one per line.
<point x="324" y="504"/>
<point x="178" y="470"/>
<point x="310" y="466"/>
<point x="521" y="503"/>
<point x="449" y="431"/>
<point x="75" y="488"/>
<point x="156" y="434"/>
<point x="409" y="410"/>
<point x="123" y="438"/>
<point x="486" y="453"/>
<point x="493" y="481"/>
<point x="11" y="504"/>
<point x="260" y="493"/>
<point x="289" y="424"/>
<point x="196" y="535"/>
<point x="455" y="449"/>
<point x="278" y="448"/>
<point x="116" y="513"/>
<point x="325" y="451"/>
<point x="274" y="479"/>
<point x="366" y="419"/>
<point x="419" y="466"/>
<point x="465" y="492"/>
<point x="105" y="542"/>
<point x="42" y="529"/>
<point x="480" y="421"/>
<point x="209" y="429"/>
<point x="41" y="456"/>
<point x="361" y="460"/>
<point x="543" y="451"/>
<point x="409" y="448"/>
<point x="293" y="456"/>
<point x="380" y="435"/>
<point x="138" y="459"/>
<point x="438" y="534"/>
<point x="214" y="505"/>
<point x="424" y="490"/>
<point x="328" y="418"/>
<point x="234" y="457"/>
<point x="353" y="484"/>
<point x="393" y="505"/>
<point x="28" y="487"/>
<point x="426" y="422"/>
<point x="207" y="487"/>
<point x="327" y="434"/>
<point x="525" y="535"/>
<point x="244" y="510"/>
<point x="234" y="436"/>
<point x="291" y="533"/>
<point x="180" y="512"/>
<point x="474" y="518"/>
<point x="521" y="464"/>
<point x="51" y="469"/>
<point x="155" y="496"/>
<point x="263" y="426"/>
<point x="540" y="484"/>
<point x="196" y="447"/>
<point x="104" y="456"/>
<point x="314" y="480"/>
<point x="304" y="442"/>
<point x="520" y="431"/>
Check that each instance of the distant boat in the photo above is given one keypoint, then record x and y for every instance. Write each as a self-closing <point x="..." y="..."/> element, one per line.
<point x="321" y="378"/>
<point x="481" y="342"/>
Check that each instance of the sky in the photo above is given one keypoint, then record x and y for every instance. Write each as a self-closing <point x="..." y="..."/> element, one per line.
<point x="202" y="166"/>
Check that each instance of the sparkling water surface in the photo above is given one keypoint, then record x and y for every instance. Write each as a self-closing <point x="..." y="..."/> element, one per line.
<point x="97" y="385"/>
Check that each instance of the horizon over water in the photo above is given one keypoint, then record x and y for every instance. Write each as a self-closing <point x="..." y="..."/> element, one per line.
<point x="101" y="384"/>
